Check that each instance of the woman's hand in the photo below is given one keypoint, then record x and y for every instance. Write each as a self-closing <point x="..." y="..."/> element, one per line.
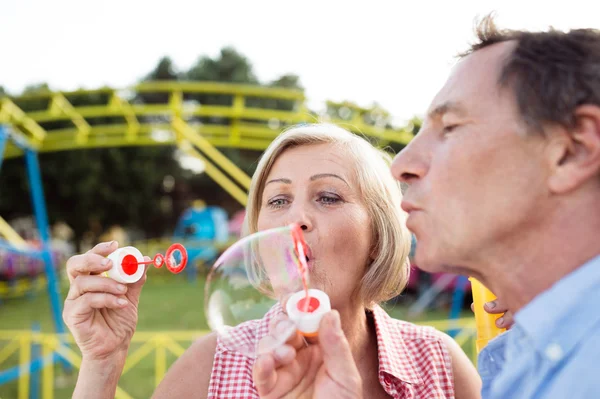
<point x="102" y="315"/>
<point x="299" y="370"/>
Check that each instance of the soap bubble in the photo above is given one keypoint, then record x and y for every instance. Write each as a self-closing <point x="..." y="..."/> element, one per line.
<point x="249" y="278"/>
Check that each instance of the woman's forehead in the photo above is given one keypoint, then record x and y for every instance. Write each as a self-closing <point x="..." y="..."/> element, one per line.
<point x="314" y="156"/>
<point x="305" y="161"/>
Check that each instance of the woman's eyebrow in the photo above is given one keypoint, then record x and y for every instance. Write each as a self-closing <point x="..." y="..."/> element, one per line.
<point x="280" y="180"/>
<point x="323" y="175"/>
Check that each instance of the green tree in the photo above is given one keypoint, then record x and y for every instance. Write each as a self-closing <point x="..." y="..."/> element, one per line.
<point x="164" y="70"/>
<point x="228" y="66"/>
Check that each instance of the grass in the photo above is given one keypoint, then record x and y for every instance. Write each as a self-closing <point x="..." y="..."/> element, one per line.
<point x="168" y="303"/>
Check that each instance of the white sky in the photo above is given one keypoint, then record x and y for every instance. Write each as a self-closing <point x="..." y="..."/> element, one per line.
<point x="397" y="53"/>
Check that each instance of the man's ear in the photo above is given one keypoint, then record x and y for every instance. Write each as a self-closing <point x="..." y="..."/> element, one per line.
<point x="574" y="154"/>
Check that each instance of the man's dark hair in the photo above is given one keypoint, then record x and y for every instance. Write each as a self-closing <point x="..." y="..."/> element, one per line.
<point x="551" y="73"/>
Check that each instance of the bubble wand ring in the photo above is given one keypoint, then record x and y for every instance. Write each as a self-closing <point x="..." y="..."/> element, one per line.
<point x="160" y="260"/>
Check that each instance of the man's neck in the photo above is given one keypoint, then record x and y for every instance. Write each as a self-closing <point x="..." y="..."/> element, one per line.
<point x="532" y="263"/>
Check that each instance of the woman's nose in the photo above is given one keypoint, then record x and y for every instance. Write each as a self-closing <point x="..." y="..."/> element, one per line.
<point x="302" y="216"/>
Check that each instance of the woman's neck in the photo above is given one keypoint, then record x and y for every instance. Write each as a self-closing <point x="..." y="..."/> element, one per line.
<point x="360" y="333"/>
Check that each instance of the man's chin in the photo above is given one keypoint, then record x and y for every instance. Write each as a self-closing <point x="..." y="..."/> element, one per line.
<point x="440" y="267"/>
<point x="427" y="264"/>
<point x="429" y="267"/>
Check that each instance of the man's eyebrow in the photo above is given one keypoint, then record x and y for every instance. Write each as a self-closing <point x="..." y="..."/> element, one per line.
<point x="446" y="107"/>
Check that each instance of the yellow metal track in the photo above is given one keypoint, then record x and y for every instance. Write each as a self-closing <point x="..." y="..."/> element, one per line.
<point x="173" y="119"/>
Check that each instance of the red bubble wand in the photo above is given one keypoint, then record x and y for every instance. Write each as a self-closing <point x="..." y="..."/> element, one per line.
<point x="130" y="263"/>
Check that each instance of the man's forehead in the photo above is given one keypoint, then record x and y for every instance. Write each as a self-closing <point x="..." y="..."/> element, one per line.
<point x="472" y="78"/>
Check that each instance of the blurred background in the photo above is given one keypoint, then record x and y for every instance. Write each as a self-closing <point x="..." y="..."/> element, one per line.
<point x="142" y="121"/>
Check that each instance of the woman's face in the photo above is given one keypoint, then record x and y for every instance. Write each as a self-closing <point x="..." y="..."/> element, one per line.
<point x="314" y="186"/>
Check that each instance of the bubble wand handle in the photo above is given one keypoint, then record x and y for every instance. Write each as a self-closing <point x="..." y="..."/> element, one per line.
<point x="485" y="322"/>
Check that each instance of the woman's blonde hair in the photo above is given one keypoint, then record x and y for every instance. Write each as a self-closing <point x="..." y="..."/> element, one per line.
<point x="388" y="274"/>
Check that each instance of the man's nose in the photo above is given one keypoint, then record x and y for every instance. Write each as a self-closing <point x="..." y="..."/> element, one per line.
<point x="411" y="163"/>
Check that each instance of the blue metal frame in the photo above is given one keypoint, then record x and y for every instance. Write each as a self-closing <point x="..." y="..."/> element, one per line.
<point x="3" y="138"/>
<point x="29" y="252"/>
<point x="35" y="365"/>
<point x="458" y="299"/>
<point x="41" y="218"/>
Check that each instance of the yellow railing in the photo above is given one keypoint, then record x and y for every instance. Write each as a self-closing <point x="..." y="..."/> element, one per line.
<point x="169" y="113"/>
<point x="21" y="286"/>
<point x="18" y="342"/>
<point x="11" y="235"/>
<point x="239" y="124"/>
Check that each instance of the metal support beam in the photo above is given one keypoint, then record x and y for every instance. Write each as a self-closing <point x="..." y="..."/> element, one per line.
<point x="211" y="152"/>
<point x="11" y="235"/>
<point x="218" y="177"/>
<point x="61" y="105"/>
<point x="11" y="113"/>
<point x="239" y="103"/>
<point x="3" y="139"/>
<point x="41" y="218"/>
<point x="133" y="124"/>
<point x="5" y="229"/>
<point x="26" y="250"/>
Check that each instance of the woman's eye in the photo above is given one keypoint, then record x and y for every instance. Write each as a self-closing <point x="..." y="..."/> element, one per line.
<point x="329" y="200"/>
<point x="277" y="202"/>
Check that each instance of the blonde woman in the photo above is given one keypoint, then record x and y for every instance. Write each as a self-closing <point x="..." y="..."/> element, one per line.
<point x="339" y="189"/>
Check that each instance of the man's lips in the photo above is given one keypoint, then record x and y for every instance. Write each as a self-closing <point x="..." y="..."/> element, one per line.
<point x="409" y="207"/>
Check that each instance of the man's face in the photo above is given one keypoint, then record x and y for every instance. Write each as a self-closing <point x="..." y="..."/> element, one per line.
<point x="475" y="177"/>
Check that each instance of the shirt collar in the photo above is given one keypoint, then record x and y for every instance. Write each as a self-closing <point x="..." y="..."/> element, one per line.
<point x="561" y="316"/>
<point x="394" y="357"/>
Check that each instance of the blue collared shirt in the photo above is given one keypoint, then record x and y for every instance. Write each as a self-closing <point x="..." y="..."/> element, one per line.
<point x="553" y="349"/>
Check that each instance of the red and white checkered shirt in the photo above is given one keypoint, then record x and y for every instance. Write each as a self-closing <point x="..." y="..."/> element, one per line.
<point x="413" y="360"/>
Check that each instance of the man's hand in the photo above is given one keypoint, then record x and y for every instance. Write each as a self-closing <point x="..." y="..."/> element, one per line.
<point x="297" y="369"/>
<point x="499" y="307"/>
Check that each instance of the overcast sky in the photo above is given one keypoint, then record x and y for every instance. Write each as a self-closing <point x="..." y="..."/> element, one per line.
<point x="397" y="53"/>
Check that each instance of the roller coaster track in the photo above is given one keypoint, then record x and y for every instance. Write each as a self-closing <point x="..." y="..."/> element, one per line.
<point x="169" y="113"/>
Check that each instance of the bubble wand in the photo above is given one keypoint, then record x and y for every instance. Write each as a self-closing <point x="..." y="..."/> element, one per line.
<point x="126" y="263"/>
<point x="306" y="308"/>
